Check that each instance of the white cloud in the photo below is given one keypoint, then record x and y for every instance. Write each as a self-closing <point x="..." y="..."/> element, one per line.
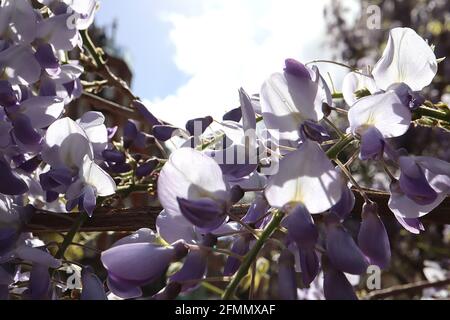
<point x="229" y="44"/>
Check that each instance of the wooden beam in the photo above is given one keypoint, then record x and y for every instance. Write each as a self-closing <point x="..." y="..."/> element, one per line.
<point x="131" y="219"/>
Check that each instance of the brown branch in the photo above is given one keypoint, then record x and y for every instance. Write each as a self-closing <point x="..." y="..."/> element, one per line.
<point x="106" y="219"/>
<point x="410" y="288"/>
<point x="103" y="104"/>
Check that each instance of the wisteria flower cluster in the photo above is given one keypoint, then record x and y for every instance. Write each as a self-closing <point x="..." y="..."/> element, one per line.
<point x="279" y="152"/>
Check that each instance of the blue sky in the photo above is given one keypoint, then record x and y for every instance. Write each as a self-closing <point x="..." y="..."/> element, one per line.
<point x="190" y="57"/>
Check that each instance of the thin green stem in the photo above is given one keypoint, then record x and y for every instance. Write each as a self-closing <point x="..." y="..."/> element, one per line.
<point x="252" y="254"/>
<point x="334" y="151"/>
<point x="68" y="239"/>
<point x="433" y="113"/>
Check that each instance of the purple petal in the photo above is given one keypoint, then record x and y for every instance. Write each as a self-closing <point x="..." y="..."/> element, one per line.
<point x="146" y="168"/>
<point x="137" y="262"/>
<point x="314" y="131"/>
<point x="8" y="97"/>
<point x="296" y="68"/>
<point x="240" y="246"/>
<point x="287" y="283"/>
<point x="373" y="238"/>
<point x="24" y="131"/>
<point x="301" y="228"/>
<point x="258" y="208"/>
<point x="233" y="115"/>
<point x="11" y="184"/>
<point x="345" y="205"/>
<point x="197" y="126"/>
<point x="372" y="144"/>
<point x="343" y="252"/>
<point x="32" y="164"/>
<point x="414" y="183"/>
<point x="204" y="213"/>
<point x="40" y="282"/>
<point x="194" y="268"/>
<point x="92" y="286"/>
<point x="47" y="59"/>
<point x="413" y="225"/>
<point x="89" y="200"/>
<point x="164" y="132"/>
<point x="123" y="289"/>
<point x="37" y="256"/>
<point x="309" y="263"/>
<point x="336" y="286"/>
<point x="148" y="116"/>
<point x="111" y="155"/>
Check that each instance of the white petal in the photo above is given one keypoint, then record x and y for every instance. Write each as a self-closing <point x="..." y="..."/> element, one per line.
<point x="383" y="111"/>
<point x="353" y="82"/>
<point x="98" y="178"/>
<point x="287" y="101"/>
<point x="407" y="58"/>
<point x="404" y="207"/>
<point x="192" y="175"/>
<point x="305" y="176"/>
<point x="42" y="111"/>
<point x="66" y="144"/>
<point x="174" y="226"/>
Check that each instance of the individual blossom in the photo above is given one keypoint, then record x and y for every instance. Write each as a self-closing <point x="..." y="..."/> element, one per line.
<point x="407" y="58"/>
<point x="356" y="85"/>
<point x="193" y="184"/>
<point x="307" y="177"/>
<point x="375" y="118"/>
<point x="289" y="99"/>
<point x="133" y="265"/>
<point x="424" y="183"/>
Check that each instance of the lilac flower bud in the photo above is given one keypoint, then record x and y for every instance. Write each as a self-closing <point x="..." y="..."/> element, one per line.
<point x="39" y="283"/>
<point x="8" y="97"/>
<point x="296" y="68"/>
<point x="119" y="168"/>
<point x="342" y="251"/>
<point x="112" y="155"/>
<point x="11" y="184"/>
<point x="31" y="165"/>
<point x="233" y="115"/>
<point x="146" y="168"/>
<point x="287" y="283"/>
<point x="8" y="238"/>
<point x="54" y="179"/>
<point x="314" y="131"/>
<point x="146" y="114"/>
<point x="197" y="126"/>
<point x="204" y="213"/>
<point x="236" y="194"/>
<point x="46" y="58"/>
<point x="309" y="264"/>
<point x="414" y="183"/>
<point x="301" y="227"/>
<point x="130" y="133"/>
<point x="164" y="132"/>
<point x="345" y="205"/>
<point x="240" y="246"/>
<point x="258" y="208"/>
<point x="373" y="238"/>
<point x="133" y="265"/>
<point x="92" y="286"/>
<point x="336" y="285"/>
<point x="24" y="131"/>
